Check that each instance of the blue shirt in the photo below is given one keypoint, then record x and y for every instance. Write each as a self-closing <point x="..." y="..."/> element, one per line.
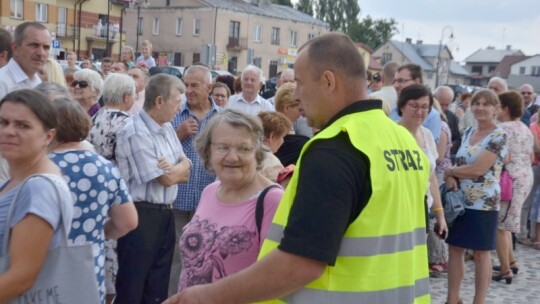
<point x="139" y="145"/>
<point x="432" y="122"/>
<point x="189" y="193"/>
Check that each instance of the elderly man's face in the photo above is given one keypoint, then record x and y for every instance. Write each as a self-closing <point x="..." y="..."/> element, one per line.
<point x="496" y="86"/>
<point x="445" y="99"/>
<point x="33" y="51"/>
<point x="251" y="82"/>
<point x="527" y="93"/>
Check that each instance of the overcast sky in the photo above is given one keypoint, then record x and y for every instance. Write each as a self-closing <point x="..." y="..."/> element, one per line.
<point x="475" y="23"/>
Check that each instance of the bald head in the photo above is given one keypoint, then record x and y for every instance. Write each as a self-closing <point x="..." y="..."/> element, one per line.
<point x="498" y="85"/>
<point x="527" y="91"/>
<point x="445" y="96"/>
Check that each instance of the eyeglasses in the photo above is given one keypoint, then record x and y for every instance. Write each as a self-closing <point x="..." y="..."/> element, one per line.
<point x="526" y="93"/>
<point x="82" y="83"/>
<point x="401" y="80"/>
<point x="219" y="96"/>
<point x="224" y="149"/>
<point x="415" y="107"/>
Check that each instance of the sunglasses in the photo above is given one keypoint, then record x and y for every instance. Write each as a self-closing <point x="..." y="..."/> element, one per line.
<point x="82" y="83"/>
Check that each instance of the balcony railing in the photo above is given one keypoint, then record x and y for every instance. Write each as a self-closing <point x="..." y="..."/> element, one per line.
<point x="237" y="44"/>
<point x="100" y="31"/>
<point x="64" y="30"/>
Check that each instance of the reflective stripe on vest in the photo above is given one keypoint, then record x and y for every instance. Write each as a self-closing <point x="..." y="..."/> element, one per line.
<point x="367" y="246"/>
<point x="405" y="294"/>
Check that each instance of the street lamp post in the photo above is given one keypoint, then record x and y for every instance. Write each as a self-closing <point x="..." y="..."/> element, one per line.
<point x="437" y="72"/>
<point x="138" y="3"/>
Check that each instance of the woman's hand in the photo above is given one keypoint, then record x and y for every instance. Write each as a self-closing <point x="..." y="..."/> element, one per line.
<point x="451" y="183"/>
<point x="442" y="228"/>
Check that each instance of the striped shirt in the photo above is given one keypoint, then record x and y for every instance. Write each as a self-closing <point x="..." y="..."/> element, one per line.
<point x="140" y="144"/>
<point x="189" y="193"/>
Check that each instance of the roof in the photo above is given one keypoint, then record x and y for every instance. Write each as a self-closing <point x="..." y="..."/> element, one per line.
<point x="364" y="46"/>
<point x="504" y="67"/>
<point x="457" y="69"/>
<point x="375" y="64"/>
<point x="490" y="55"/>
<point x="266" y="9"/>
<point x="409" y="51"/>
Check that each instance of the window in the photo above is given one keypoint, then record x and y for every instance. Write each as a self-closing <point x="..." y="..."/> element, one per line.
<point x="62" y="20"/>
<point x="275" y="36"/>
<point x="140" y="26"/>
<point x="155" y="26"/>
<point x="257" y="34"/>
<point x="386" y="57"/>
<point x="476" y="69"/>
<point x="535" y="71"/>
<point x="179" y="26"/>
<point x="310" y="36"/>
<point x="196" y="27"/>
<point x="294" y="38"/>
<point x="234" y="30"/>
<point x="521" y="70"/>
<point x="257" y="61"/>
<point x="41" y="12"/>
<point x="196" y="57"/>
<point x="492" y="68"/>
<point x="16" y="7"/>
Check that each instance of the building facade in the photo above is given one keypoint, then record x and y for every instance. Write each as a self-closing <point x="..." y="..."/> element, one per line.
<point x="482" y="63"/>
<point x="430" y="57"/>
<point x="79" y="26"/>
<point x="224" y="34"/>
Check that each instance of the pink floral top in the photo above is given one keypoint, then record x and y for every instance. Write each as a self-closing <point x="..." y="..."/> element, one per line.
<point x="222" y="239"/>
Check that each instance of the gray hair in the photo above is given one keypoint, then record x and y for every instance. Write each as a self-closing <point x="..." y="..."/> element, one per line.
<point x="286" y="72"/>
<point x="440" y="90"/>
<point x="500" y="81"/>
<point x="116" y="87"/>
<point x="93" y="78"/>
<point x="53" y="90"/>
<point x="253" y="68"/>
<point x="19" y="34"/>
<point x="236" y="119"/>
<point x="161" y="85"/>
<point x="207" y="75"/>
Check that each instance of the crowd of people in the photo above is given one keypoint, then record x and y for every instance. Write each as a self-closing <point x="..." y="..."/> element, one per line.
<point x="200" y="189"/>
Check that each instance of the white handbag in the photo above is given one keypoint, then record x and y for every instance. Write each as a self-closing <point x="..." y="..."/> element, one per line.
<point x="67" y="275"/>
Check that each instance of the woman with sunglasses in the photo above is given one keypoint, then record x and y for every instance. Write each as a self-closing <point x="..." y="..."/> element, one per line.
<point x="86" y="88"/>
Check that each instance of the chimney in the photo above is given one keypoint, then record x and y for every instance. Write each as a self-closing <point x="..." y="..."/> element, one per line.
<point x="509" y="47"/>
<point x="419" y="41"/>
<point x="408" y="40"/>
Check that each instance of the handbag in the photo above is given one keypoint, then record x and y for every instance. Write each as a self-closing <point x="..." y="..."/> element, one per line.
<point x="506" y="182"/>
<point x="67" y="275"/>
<point x="453" y="202"/>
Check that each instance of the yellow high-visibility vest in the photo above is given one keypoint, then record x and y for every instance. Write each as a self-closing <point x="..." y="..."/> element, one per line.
<point x="383" y="254"/>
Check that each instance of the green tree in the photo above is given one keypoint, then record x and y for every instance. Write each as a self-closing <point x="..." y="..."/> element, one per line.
<point x="305" y="6"/>
<point x="283" y="2"/>
<point x="373" y="32"/>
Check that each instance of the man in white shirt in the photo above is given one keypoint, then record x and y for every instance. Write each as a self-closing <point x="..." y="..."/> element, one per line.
<point x="249" y="101"/>
<point x="30" y="47"/>
<point x="387" y="93"/>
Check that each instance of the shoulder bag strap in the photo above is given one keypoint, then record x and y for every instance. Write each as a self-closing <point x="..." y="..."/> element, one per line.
<point x="259" y="209"/>
<point x="7" y="234"/>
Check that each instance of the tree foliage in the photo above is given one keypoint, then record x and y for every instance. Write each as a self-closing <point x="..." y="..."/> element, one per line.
<point x="373" y="32"/>
<point x="305" y="6"/>
<point x="342" y="15"/>
<point x="283" y="2"/>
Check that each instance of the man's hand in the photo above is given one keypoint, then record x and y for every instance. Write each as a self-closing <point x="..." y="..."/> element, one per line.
<point x="187" y="128"/>
<point x="191" y="295"/>
<point x="178" y="173"/>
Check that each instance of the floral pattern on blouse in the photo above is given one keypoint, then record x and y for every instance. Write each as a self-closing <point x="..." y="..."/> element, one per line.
<point x="482" y="193"/>
<point x="105" y="126"/>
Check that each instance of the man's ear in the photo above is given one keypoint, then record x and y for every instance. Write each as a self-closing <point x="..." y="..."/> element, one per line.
<point x="329" y="80"/>
<point x="159" y="101"/>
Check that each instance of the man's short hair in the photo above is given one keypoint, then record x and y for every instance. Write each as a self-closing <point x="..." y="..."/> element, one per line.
<point x="252" y="68"/>
<point x="202" y="69"/>
<point x="389" y="71"/>
<point x="5" y="42"/>
<point x="18" y="35"/>
<point x="106" y="60"/>
<point x="335" y="51"/>
<point x="161" y="85"/>
<point x="414" y="69"/>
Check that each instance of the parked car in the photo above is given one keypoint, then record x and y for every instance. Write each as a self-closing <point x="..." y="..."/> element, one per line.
<point x="216" y="73"/>
<point x="171" y="70"/>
